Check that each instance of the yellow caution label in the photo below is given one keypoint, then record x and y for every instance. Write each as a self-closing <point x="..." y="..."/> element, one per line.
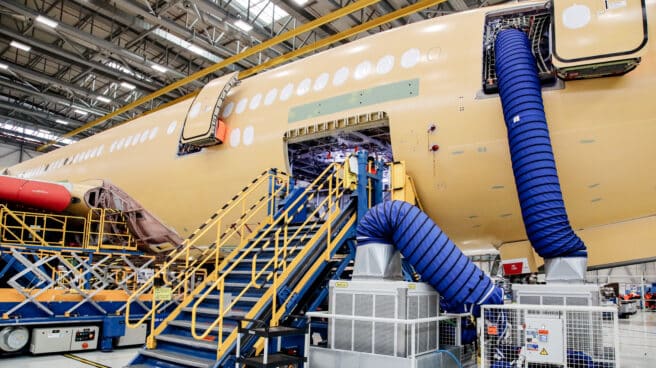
<point x="544" y="352"/>
<point x="341" y="284"/>
<point x="412" y="286"/>
<point x="162" y="294"/>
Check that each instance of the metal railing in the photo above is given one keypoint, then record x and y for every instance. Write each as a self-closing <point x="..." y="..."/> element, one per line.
<point x="229" y="226"/>
<point x="325" y="193"/>
<point x="101" y="230"/>
<point x="524" y="335"/>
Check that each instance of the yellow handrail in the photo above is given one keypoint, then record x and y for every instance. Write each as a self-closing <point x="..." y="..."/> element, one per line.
<point x="247" y="207"/>
<point x="53" y="230"/>
<point x="285" y="259"/>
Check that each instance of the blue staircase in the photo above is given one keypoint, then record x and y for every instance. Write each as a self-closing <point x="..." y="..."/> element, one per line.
<point x="276" y="271"/>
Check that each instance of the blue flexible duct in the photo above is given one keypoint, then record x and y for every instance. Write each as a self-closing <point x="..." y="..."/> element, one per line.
<point x="434" y="256"/>
<point x="541" y="200"/>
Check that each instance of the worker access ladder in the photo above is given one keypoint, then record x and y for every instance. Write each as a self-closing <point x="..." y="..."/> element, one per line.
<point x="272" y="270"/>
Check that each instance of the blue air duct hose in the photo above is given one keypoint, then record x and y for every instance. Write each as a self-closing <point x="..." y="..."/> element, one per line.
<point x="536" y="178"/>
<point x="434" y="256"/>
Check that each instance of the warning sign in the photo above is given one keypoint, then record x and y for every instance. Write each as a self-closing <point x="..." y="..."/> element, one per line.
<point x="492" y="330"/>
<point x="544" y="352"/>
<point x="162" y="294"/>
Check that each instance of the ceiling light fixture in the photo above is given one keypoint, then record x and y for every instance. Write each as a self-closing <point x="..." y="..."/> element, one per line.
<point x="243" y="25"/>
<point x="21" y="46"/>
<point x="62" y="122"/>
<point x="47" y="21"/>
<point x="4" y="66"/>
<point x="159" y="68"/>
<point x="127" y="85"/>
<point x="103" y="99"/>
<point x="81" y="112"/>
<point x="300" y="2"/>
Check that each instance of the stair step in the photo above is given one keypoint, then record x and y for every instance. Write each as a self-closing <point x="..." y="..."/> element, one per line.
<point x="215" y="312"/>
<point x="273" y="360"/>
<point x="201" y="326"/>
<point x="243" y="284"/>
<point x="251" y="299"/>
<point x="177" y="358"/>
<point x="244" y="272"/>
<point x="188" y="341"/>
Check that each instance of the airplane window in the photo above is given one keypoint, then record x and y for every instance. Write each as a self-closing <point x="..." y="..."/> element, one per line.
<point x="362" y="70"/>
<point x="119" y="145"/>
<point x="287" y="92"/>
<point x="228" y="110"/>
<point x="255" y="101"/>
<point x="135" y="139"/>
<point x="235" y="135"/>
<point x="410" y="58"/>
<point x="385" y="64"/>
<point x="249" y="134"/>
<point x="304" y="86"/>
<point x="195" y="110"/>
<point x="271" y="96"/>
<point x="111" y="148"/>
<point x="171" y="127"/>
<point x="153" y="133"/>
<point x="321" y="81"/>
<point x="144" y="136"/>
<point x="100" y="149"/>
<point x="341" y="75"/>
<point x="241" y="106"/>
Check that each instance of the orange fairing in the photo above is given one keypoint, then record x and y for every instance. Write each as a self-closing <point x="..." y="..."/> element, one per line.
<point x="221" y="131"/>
<point x="37" y="194"/>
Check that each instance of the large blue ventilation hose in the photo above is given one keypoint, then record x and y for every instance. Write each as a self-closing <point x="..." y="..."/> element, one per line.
<point x="434" y="256"/>
<point x="540" y="197"/>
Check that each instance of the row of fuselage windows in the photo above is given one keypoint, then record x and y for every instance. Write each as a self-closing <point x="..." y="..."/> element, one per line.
<point x="117" y="145"/>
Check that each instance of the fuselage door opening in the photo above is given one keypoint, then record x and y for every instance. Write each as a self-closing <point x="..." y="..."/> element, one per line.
<point x="311" y="149"/>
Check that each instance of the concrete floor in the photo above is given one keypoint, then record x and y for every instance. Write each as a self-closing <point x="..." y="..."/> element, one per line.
<point x="637" y="347"/>
<point x="638" y="340"/>
<point x="116" y="359"/>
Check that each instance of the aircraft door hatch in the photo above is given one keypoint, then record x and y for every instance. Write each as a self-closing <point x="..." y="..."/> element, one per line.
<point x="202" y="126"/>
<point x="310" y="149"/>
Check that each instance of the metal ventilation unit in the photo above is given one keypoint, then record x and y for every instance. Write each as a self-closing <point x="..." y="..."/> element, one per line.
<point x="381" y="323"/>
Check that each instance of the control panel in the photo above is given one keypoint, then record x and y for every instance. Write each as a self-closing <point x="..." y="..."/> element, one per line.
<point x="544" y="342"/>
<point x="84" y="338"/>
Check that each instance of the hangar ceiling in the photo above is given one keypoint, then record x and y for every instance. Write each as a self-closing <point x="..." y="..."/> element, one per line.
<point x="64" y="63"/>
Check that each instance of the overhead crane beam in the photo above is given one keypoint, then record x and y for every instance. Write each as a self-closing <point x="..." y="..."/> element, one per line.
<point x="231" y="60"/>
<point x="420" y="5"/>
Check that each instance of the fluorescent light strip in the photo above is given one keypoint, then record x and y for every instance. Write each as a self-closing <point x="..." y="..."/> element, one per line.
<point x="103" y="99"/>
<point x="4" y="66"/>
<point x="81" y="112"/>
<point x="159" y="68"/>
<point x="243" y="25"/>
<point x="186" y="45"/>
<point x="46" y="21"/>
<point x="62" y="122"/>
<point x="21" y="46"/>
<point x="127" y="85"/>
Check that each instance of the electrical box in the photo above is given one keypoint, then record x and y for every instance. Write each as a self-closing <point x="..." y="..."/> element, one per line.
<point x="84" y="338"/>
<point x="544" y="340"/>
<point x="50" y="340"/>
<point x="58" y="339"/>
<point x="133" y="336"/>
